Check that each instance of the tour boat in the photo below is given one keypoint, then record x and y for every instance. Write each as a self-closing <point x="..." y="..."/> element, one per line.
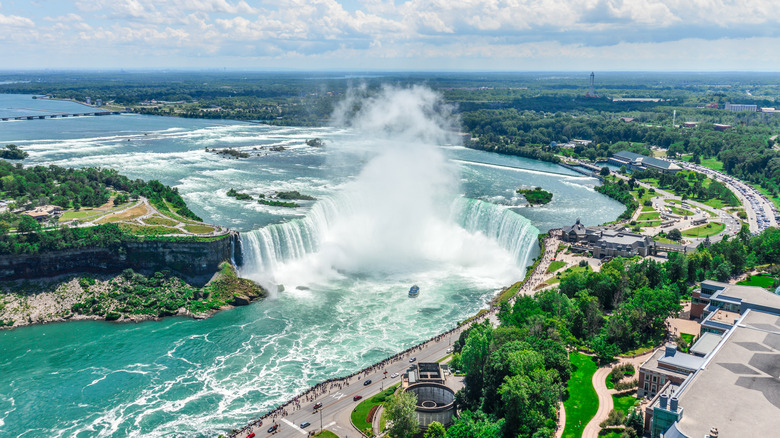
<point x="414" y="291"/>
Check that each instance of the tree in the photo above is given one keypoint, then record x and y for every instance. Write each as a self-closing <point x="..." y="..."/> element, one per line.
<point x="674" y="234"/>
<point x="27" y="224"/>
<point x="436" y="430"/>
<point x="400" y="410"/>
<point x="604" y="171"/>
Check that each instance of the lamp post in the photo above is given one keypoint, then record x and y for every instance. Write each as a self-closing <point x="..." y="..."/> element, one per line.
<point x="320" y="420"/>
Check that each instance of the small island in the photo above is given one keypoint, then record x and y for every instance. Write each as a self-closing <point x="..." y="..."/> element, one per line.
<point x="238" y="195"/>
<point x="536" y="196"/>
<point x="12" y="152"/>
<point x="229" y="152"/>
<point x="315" y="142"/>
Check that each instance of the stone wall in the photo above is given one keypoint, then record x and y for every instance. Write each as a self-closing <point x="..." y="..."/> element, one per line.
<point x="193" y="259"/>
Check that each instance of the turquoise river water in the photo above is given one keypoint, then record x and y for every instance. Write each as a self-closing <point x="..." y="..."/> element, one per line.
<point x="389" y="213"/>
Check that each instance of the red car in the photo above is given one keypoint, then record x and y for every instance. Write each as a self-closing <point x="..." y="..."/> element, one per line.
<point x="357" y="397"/>
<point x="251" y="435"/>
<point x="318" y="405"/>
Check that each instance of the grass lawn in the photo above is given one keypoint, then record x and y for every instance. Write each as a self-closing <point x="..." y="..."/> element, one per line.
<point x="157" y="220"/>
<point x="623" y="402"/>
<point x="607" y="433"/>
<point x="360" y="413"/>
<point x="648" y="216"/>
<point x="608" y="382"/>
<point x="132" y="213"/>
<point x="555" y="265"/>
<point x="688" y="339"/>
<point x="715" y="203"/>
<point x="152" y="230"/>
<point x="582" y="403"/>
<point x="712" y="163"/>
<point x="664" y="240"/>
<point x="681" y="211"/>
<point x="764" y="281"/>
<point x="198" y="229"/>
<point x="648" y="224"/>
<point x="326" y="434"/>
<point x="709" y="229"/>
<point x="508" y="293"/>
<point x="647" y="208"/>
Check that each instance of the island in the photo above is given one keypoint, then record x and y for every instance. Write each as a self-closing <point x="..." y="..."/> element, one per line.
<point x="12" y="152"/>
<point x="536" y="196"/>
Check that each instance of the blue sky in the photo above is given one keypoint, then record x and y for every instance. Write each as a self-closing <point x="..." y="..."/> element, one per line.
<point x="485" y="35"/>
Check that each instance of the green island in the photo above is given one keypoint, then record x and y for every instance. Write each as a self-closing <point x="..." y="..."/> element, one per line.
<point x="536" y="196"/>
<point x="12" y="152"/>
<point x="229" y="152"/>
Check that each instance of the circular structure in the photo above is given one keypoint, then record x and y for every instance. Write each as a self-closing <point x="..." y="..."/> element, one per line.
<point x="435" y="402"/>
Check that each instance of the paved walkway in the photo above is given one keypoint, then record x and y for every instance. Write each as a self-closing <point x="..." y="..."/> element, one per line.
<point x="592" y="429"/>
<point x="561" y="421"/>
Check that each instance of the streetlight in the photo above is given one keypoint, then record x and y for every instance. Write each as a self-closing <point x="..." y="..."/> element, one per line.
<point x="321" y="420"/>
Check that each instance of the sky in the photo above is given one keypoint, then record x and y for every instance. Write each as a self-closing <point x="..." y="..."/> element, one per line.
<point x="388" y="35"/>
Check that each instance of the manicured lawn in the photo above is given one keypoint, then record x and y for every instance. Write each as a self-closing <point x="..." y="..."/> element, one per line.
<point x="764" y="281"/>
<point x="624" y="402"/>
<point x="648" y="216"/>
<point x="709" y="229"/>
<point x="604" y="433"/>
<point x="198" y="229"/>
<point x="712" y="163"/>
<point x="647" y="208"/>
<point x="681" y="211"/>
<point x="608" y="382"/>
<point x="688" y="339"/>
<point x="647" y="224"/>
<point x="715" y="203"/>
<point x="664" y="240"/>
<point x="151" y="230"/>
<point x="583" y="402"/>
<point x="157" y="220"/>
<point x="555" y="265"/>
<point x="360" y="413"/>
<point x="326" y="434"/>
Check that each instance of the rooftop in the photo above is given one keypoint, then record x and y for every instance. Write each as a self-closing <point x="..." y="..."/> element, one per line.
<point x="706" y="343"/>
<point x="753" y="295"/>
<point x="678" y="360"/>
<point x="738" y="388"/>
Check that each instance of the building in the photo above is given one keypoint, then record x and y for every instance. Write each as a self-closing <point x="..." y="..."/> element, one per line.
<point x="741" y="107"/>
<point x="435" y="400"/>
<point x="690" y="124"/>
<point x="732" y="376"/>
<point x="88" y="100"/>
<point x="634" y="161"/>
<point x="606" y="242"/>
<point x="721" y="127"/>
<point x="666" y="365"/>
<point x="99" y="102"/>
<point x="735" y="392"/>
<point x="44" y="212"/>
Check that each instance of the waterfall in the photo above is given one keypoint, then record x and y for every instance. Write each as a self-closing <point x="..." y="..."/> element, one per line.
<point x="264" y="249"/>
<point x="511" y="231"/>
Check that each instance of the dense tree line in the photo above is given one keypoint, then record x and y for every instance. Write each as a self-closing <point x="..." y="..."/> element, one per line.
<point x="86" y="187"/>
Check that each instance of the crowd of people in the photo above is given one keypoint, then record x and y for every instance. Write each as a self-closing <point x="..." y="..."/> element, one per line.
<point x="329" y="385"/>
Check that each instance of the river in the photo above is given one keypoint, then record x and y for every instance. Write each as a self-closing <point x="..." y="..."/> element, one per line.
<point x="448" y="221"/>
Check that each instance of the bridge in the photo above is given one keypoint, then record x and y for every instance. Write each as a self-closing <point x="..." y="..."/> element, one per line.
<point x="61" y="115"/>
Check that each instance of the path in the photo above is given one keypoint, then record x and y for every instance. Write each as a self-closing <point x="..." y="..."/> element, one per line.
<point x="592" y="429"/>
<point x="561" y="420"/>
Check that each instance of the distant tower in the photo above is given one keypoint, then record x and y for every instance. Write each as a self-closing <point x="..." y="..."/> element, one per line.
<point x="592" y="91"/>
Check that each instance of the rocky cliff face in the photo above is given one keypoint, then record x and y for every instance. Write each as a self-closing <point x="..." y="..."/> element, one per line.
<point x="193" y="259"/>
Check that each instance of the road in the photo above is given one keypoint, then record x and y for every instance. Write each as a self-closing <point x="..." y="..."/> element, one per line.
<point x="760" y="210"/>
<point x="337" y="404"/>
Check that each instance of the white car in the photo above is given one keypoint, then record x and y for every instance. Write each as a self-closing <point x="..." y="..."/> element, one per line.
<point x="394" y="375"/>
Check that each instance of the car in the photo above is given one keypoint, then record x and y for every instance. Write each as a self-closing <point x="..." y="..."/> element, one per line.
<point x="394" y="375"/>
<point x="305" y="424"/>
<point x="413" y="359"/>
<point x="251" y="435"/>
<point x="273" y="428"/>
<point x="357" y="397"/>
<point x="317" y="405"/>
<point x="367" y="382"/>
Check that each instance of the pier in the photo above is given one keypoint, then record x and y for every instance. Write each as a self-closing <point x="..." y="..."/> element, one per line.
<point x="59" y="115"/>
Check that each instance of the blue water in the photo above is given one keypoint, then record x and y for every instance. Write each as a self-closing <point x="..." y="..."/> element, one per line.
<point x="181" y="376"/>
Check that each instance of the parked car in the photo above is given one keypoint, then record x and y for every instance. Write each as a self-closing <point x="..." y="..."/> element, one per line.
<point x="317" y="406"/>
<point x="367" y="382"/>
<point x="305" y="424"/>
<point x="357" y="397"/>
<point x="273" y="428"/>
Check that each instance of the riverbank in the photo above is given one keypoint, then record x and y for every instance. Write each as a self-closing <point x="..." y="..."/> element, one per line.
<point x="127" y="297"/>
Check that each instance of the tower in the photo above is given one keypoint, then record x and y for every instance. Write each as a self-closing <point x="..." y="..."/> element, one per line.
<point x="592" y="91"/>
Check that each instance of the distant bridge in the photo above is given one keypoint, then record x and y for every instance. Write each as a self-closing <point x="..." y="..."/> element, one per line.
<point x="54" y="116"/>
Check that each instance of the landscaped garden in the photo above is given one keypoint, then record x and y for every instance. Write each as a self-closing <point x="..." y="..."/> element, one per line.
<point x="761" y="280"/>
<point x="582" y="402"/>
<point x="360" y="414"/>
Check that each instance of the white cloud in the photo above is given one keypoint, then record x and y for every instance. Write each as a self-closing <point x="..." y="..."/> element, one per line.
<point x="15" y="21"/>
